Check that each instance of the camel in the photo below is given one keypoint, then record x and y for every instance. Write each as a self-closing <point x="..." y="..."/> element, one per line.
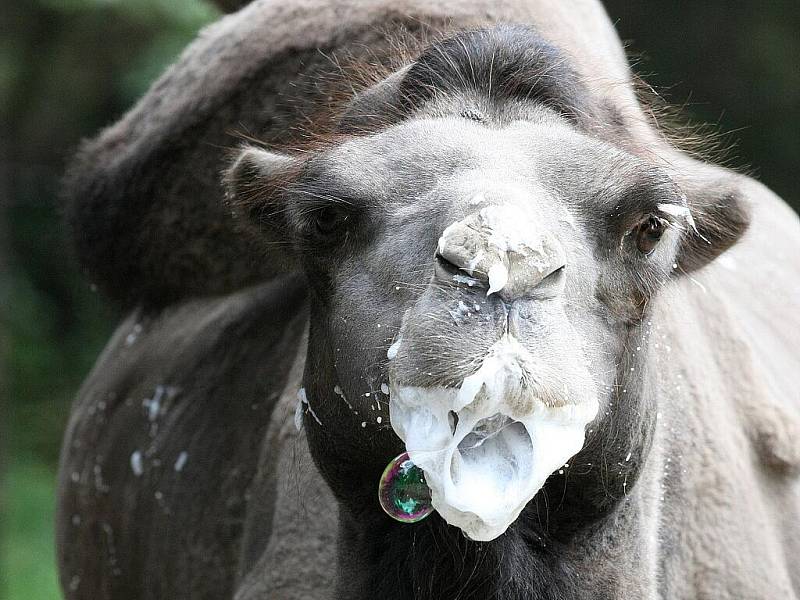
<point x="452" y="231"/>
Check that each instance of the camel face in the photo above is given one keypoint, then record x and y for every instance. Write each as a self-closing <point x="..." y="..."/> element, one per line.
<point x="501" y="264"/>
<point x="482" y="244"/>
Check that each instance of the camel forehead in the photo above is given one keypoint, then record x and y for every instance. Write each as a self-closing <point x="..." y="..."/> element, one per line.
<point x="427" y="137"/>
<point x="461" y="158"/>
<point x="444" y="145"/>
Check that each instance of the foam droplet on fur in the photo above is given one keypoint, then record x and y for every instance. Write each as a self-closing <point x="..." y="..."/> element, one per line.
<point x="136" y="463"/>
<point x="180" y="462"/>
<point x="391" y="353"/>
<point x="498" y="278"/>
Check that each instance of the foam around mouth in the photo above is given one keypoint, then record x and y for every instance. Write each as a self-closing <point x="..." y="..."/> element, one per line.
<point x="491" y="458"/>
<point x="487" y="447"/>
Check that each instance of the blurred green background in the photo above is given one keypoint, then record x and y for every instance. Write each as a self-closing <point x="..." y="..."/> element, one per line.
<point x="70" y="67"/>
<point x="67" y="68"/>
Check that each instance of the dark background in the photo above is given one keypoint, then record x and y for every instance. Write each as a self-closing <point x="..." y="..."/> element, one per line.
<point x="734" y="65"/>
<point x="69" y="67"/>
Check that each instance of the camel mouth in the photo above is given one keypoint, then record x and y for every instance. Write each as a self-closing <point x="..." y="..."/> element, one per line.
<point x="488" y="446"/>
<point x="493" y="457"/>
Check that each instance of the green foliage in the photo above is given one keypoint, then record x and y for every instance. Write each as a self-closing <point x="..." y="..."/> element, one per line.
<point x="89" y="61"/>
<point x="733" y="64"/>
<point x="67" y="68"/>
<point x="27" y="545"/>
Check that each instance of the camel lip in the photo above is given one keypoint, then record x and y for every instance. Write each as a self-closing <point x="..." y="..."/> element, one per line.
<point x="488" y="445"/>
<point x="506" y="354"/>
<point x="486" y="465"/>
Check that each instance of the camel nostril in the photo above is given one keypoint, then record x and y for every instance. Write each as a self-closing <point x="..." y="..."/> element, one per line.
<point x="446" y="265"/>
<point x="449" y="272"/>
<point x="553" y="279"/>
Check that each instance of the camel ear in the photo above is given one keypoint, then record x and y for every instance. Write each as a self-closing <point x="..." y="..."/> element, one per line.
<point x="718" y="219"/>
<point x="255" y="187"/>
<point x="375" y="106"/>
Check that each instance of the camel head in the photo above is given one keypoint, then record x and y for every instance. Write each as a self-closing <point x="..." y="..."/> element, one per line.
<point x="482" y="243"/>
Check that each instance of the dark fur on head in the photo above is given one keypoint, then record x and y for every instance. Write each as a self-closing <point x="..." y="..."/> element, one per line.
<point x="504" y="63"/>
<point x="488" y="66"/>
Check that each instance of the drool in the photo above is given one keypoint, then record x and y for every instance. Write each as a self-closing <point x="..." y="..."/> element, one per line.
<point x="487" y="447"/>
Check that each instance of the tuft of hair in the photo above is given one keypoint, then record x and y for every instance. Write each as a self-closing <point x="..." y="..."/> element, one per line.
<point x="505" y="62"/>
<point x="703" y="141"/>
<point x="496" y="65"/>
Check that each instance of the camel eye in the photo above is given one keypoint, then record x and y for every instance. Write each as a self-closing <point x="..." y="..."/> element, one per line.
<point x="328" y="220"/>
<point x="648" y="234"/>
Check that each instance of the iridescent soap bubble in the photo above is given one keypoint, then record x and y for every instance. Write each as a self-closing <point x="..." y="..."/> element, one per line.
<point x="402" y="491"/>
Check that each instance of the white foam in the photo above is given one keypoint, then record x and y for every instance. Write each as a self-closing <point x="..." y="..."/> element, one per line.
<point x="511" y="229"/>
<point x="136" y="463"/>
<point x="477" y="199"/>
<point x="486" y="465"/>
<point x="498" y="241"/>
<point x="338" y="391"/>
<point x="460" y="312"/>
<point x="469" y="281"/>
<point x="303" y="404"/>
<point x="131" y="338"/>
<point x="445" y="234"/>
<point x="678" y="210"/>
<point x="726" y="261"/>
<point x="473" y="262"/>
<point x="498" y="278"/>
<point x="298" y="416"/>
<point x="180" y="462"/>
<point x="392" y="352"/>
<point x="154" y="404"/>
